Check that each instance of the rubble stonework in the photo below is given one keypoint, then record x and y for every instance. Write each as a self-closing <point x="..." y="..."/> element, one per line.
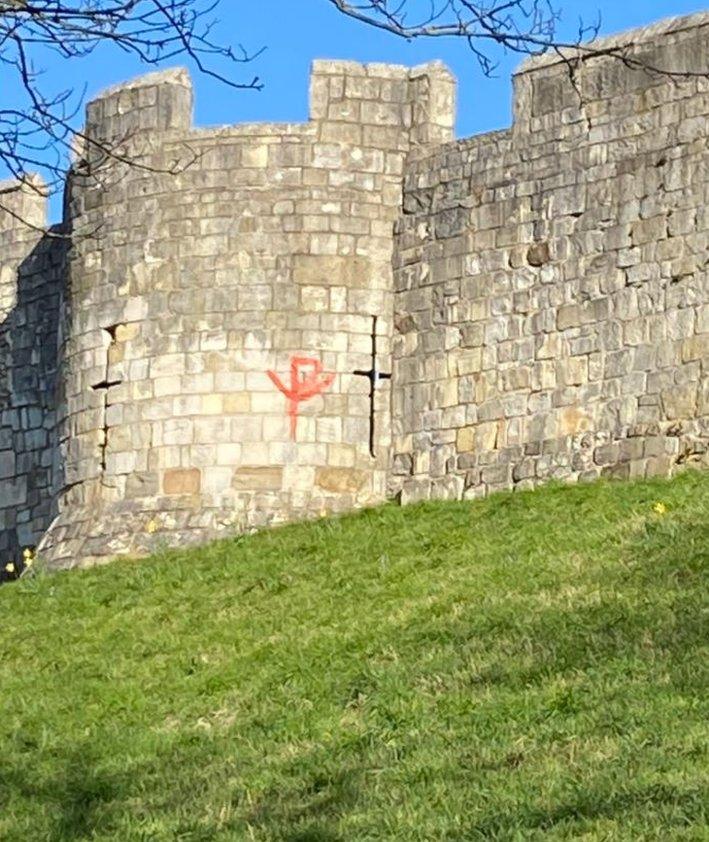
<point x="195" y="356"/>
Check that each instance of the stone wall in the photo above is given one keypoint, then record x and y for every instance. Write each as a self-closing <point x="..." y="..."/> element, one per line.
<point x="191" y="354"/>
<point x="552" y="292"/>
<point x="231" y="267"/>
<point x="31" y="264"/>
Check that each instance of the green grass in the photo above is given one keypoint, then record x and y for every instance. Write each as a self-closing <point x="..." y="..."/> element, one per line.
<point x="530" y="666"/>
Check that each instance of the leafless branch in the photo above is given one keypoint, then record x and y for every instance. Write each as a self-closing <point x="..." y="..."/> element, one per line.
<point x="521" y="26"/>
<point x="38" y="122"/>
<point x="527" y="27"/>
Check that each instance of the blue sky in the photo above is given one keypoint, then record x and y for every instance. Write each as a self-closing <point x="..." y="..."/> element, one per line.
<point x="297" y="31"/>
<point x="294" y="32"/>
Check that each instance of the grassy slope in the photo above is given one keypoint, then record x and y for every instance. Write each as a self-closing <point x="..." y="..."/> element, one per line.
<point x="528" y="666"/>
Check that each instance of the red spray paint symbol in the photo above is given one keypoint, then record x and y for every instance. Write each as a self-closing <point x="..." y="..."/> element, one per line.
<point x="307" y="379"/>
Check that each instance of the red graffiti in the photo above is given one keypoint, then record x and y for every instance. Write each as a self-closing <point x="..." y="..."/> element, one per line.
<point x="307" y="379"/>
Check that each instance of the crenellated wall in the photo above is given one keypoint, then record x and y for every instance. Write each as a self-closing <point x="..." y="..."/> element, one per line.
<point x="191" y="353"/>
<point x="235" y="271"/>
<point x="552" y="291"/>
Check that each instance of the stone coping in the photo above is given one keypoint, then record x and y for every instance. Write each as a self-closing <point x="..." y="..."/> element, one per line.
<point x="461" y="144"/>
<point x="171" y="76"/>
<point x="627" y="38"/>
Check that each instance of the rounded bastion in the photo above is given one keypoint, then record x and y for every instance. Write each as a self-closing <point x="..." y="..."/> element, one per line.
<point x="226" y="287"/>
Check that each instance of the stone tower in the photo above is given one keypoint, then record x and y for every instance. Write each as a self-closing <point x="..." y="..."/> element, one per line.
<point x="258" y="323"/>
<point x="237" y="280"/>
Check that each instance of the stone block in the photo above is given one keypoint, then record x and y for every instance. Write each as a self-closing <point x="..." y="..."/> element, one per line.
<point x="7" y="464"/>
<point x="649" y="230"/>
<point x="254" y="156"/>
<point x="465" y="439"/>
<point x="679" y="401"/>
<point x="538" y="254"/>
<point x="696" y="348"/>
<point x="181" y="481"/>
<point x="496" y="475"/>
<point x="524" y="469"/>
<point x="257" y="478"/>
<point x="572" y="371"/>
<point x="574" y="420"/>
<point x="236" y="403"/>
<point x="212" y="404"/>
<point x="334" y="270"/>
<point x="341" y="480"/>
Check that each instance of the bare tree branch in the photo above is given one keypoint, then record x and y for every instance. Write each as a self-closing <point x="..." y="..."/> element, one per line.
<point x="527" y="27"/>
<point x="521" y="26"/>
<point x="37" y="122"/>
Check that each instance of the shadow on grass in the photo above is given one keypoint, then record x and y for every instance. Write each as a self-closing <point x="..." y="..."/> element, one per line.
<point x="307" y="813"/>
<point x="663" y="806"/>
<point x="648" y="607"/>
<point x="81" y="802"/>
<point x="75" y="799"/>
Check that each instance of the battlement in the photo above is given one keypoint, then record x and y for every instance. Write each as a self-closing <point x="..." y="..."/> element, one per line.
<point x="382" y="99"/>
<point x="24" y="205"/>
<point x="674" y="30"/>
<point x="611" y="75"/>
<point x="377" y="102"/>
<point x="274" y="321"/>
<point x="23" y="215"/>
<point x="137" y="111"/>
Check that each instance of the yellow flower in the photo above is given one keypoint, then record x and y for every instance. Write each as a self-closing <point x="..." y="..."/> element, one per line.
<point x="28" y="555"/>
<point x="151" y="527"/>
<point x="659" y="508"/>
<point x="10" y="567"/>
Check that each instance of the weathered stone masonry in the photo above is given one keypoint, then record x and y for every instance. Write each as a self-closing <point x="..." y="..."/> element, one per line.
<point x="31" y="303"/>
<point x="197" y="280"/>
<point x="187" y="367"/>
<point x="551" y="281"/>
